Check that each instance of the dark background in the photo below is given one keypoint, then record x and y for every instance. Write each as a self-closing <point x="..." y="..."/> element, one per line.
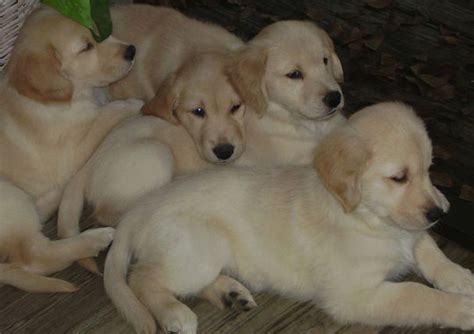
<point x="417" y="51"/>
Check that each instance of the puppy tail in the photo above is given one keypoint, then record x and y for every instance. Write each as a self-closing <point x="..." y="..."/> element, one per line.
<point x="115" y="274"/>
<point x="31" y="282"/>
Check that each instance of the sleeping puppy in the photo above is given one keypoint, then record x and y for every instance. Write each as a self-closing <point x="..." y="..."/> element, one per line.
<point x="336" y="233"/>
<point x="50" y="125"/>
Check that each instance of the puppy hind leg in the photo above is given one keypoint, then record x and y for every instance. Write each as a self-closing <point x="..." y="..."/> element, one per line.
<point x="173" y="316"/>
<point x="31" y="282"/>
<point x="227" y="292"/>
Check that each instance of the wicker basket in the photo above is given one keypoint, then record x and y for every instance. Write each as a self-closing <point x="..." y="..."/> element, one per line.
<point x="12" y="16"/>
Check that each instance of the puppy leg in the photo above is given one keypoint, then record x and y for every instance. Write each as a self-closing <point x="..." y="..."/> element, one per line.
<point x="405" y="304"/>
<point x="48" y="203"/>
<point x="226" y="291"/>
<point x="31" y="282"/>
<point x="47" y="256"/>
<point x="172" y="315"/>
<point x="440" y="271"/>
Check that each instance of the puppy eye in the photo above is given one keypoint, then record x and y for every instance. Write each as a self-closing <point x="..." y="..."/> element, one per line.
<point x="295" y="75"/>
<point x="400" y="178"/>
<point x="199" y="112"/>
<point x="88" y="47"/>
<point x="235" y="108"/>
<point x="325" y="60"/>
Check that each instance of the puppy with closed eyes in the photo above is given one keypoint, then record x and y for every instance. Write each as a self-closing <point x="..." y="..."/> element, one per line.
<point x="336" y="233"/>
<point x="50" y="123"/>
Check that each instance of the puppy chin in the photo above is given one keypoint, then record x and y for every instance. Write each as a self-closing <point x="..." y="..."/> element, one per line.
<point x="321" y="115"/>
<point x="414" y="224"/>
<point x="119" y="73"/>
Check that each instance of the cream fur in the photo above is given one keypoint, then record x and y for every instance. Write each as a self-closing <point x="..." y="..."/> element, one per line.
<point x="143" y="154"/>
<point x="287" y="231"/>
<point x="50" y="125"/>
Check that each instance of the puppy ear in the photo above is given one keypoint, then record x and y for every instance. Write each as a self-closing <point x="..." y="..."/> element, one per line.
<point x="246" y="72"/>
<point x="340" y="159"/>
<point x="337" y="71"/>
<point x="337" y="68"/>
<point x="37" y="75"/>
<point x="164" y="103"/>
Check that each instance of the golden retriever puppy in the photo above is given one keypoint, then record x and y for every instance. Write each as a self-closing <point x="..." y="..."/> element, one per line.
<point x="50" y="125"/>
<point x="290" y="71"/>
<point x="336" y="233"/>
<point x="145" y="152"/>
<point x="165" y="39"/>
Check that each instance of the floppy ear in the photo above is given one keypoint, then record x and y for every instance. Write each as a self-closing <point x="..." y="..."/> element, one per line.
<point x="340" y="159"/>
<point x="247" y="74"/>
<point x="37" y="75"/>
<point x="164" y="103"/>
<point x="337" y="71"/>
<point x="337" y="68"/>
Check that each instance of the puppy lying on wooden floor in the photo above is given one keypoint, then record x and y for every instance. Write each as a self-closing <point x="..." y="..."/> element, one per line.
<point x="336" y="233"/>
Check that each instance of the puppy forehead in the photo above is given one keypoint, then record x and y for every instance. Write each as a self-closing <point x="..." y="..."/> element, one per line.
<point x="394" y="133"/>
<point x="59" y="30"/>
<point x="214" y="95"/>
<point x="286" y="56"/>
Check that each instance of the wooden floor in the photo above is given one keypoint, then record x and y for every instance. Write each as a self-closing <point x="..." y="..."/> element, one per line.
<point x="378" y="58"/>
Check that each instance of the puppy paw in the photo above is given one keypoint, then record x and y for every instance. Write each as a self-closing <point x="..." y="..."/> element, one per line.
<point x="464" y="317"/>
<point x="178" y="319"/>
<point x="99" y="238"/>
<point x="228" y="292"/>
<point x="240" y="300"/>
<point x="455" y="279"/>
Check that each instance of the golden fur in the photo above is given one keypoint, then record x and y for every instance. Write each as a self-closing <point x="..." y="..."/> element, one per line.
<point x="336" y="233"/>
<point x="50" y="125"/>
<point x="143" y="154"/>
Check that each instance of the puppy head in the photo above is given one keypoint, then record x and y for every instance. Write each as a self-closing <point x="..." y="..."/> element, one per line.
<point x="200" y="97"/>
<point x="379" y="161"/>
<point x="53" y="56"/>
<point x="292" y="64"/>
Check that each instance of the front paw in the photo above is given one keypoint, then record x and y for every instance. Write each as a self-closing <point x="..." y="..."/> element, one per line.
<point x="455" y="279"/>
<point x="464" y="314"/>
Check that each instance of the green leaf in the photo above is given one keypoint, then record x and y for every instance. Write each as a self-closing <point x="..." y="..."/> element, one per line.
<point x="101" y="17"/>
<point x="93" y="14"/>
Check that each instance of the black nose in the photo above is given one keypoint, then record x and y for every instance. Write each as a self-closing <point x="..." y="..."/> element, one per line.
<point x="434" y="214"/>
<point x="223" y="151"/>
<point x="130" y="52"/>
<point x="332" y="99"/>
